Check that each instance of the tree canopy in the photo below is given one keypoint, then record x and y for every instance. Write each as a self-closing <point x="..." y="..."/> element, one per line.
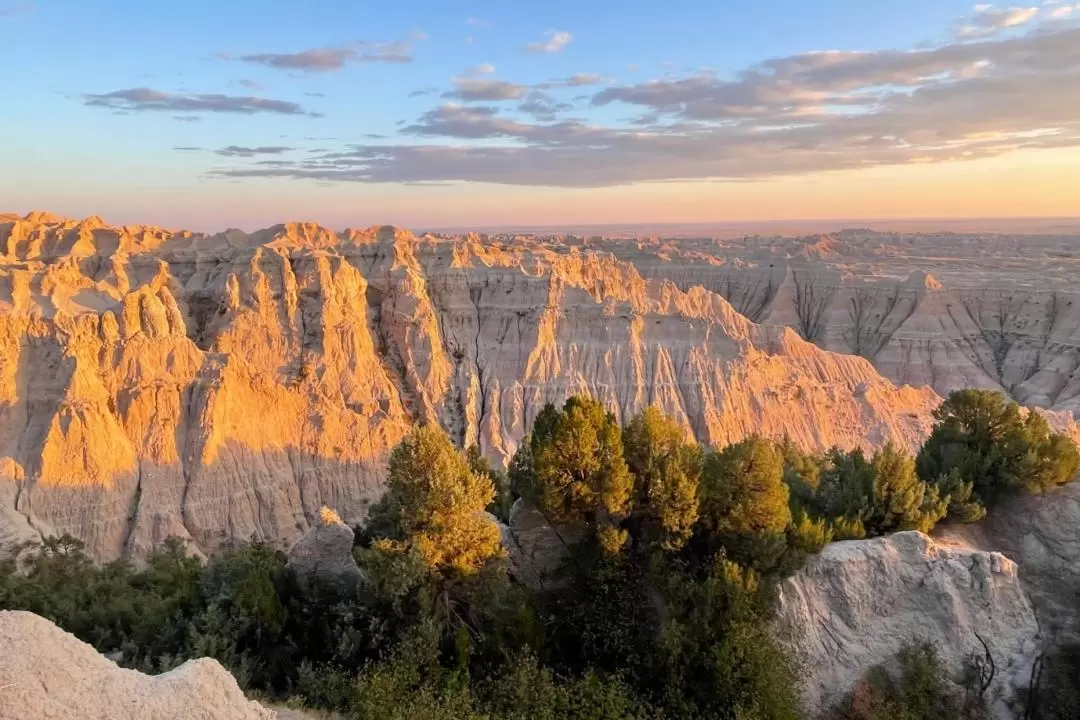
<point x="984" y="447"/>
<point x="439" y="501"/>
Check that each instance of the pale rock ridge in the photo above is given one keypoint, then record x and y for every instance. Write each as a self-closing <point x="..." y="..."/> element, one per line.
<point x="224" y="387"/>
<point x="45" y="673"/>
<point x="857" y="603"/>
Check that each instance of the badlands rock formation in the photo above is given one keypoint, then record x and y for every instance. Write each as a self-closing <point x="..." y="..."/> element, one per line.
<point x="1042" y="534"/>
<point x="48" y="673"/>
<point x="858" y="603"/>
<point x="225" y="387"/>
<point x="947" y="310"/>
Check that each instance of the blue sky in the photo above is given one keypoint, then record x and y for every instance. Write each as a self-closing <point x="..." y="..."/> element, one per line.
<point x="208" y="113"/>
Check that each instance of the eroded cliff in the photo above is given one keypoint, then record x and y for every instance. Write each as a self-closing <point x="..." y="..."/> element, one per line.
<point x="225" y="387"/>
<point x="946" y="310"/>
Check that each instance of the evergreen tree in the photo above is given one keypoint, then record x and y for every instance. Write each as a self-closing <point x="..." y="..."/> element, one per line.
<point x="438" y="501"/>
<point x="578" y="474"/>
<point x="984" y="442"/>
<point x="667" y="470"/>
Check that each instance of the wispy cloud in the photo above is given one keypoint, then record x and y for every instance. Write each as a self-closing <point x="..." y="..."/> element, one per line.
<point x="473" y="89"/>
<point x="986" y="20"/>
<point x="240" y="151"/>
<point x="333" y="59"/>
<point x="484" y="69"/>
<point x="148" y="100"/>
<point x="251" y="85"/>
<point x="787" y="115"/>
<point x="552" y="42"/>
<point x="477" y="23"/>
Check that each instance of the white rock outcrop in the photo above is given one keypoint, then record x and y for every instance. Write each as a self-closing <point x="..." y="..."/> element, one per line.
<point x="224" y="387"/>
<point x="859" y="602"/>
<point x="48" y="674"/>
<point x="1042" y="534"/>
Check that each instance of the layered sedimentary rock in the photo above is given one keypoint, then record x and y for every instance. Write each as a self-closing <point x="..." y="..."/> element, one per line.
<point x="47" y="673"/>
<point x="947" y="310"/>
<point x="858" y="603"/>
<point x="222" y="388"/>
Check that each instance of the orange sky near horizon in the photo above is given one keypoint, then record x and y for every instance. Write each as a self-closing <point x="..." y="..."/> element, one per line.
<point x="1028" y="183"/>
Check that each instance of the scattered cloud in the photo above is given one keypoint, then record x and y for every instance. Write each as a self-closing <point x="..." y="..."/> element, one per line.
<point x="484" y="69"/>
<point x="187" y="118"/>
<point x="577" y="80"/>
<point x="474" y="89"/>
<point x="788" y="115"/>
<point x="422" y="92"/>
<point x="987" y="20"/>
<point x="188" y="148"/>
<point x="251" y="85"/>
<point x="541" y="106"/>
<point x="458" y="121"/>
<point x="418" y="35"/>
<point x="1056" y="10"/>
<point x="477" y="22"/>
<point x="146" y="100"/>
<point x="333" y="59"/>
<point x="316" y="60"/>
<point x="553" y="41"/>
<point x="240" y="151"/>
<point x="315" y="94"/>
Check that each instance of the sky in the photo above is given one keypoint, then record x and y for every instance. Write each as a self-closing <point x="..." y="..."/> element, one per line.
<point x="432" y="113"/>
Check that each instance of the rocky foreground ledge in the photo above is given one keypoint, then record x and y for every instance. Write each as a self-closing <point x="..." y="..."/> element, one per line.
<point x="46" y="673"/>
<point x="858" y="603"/>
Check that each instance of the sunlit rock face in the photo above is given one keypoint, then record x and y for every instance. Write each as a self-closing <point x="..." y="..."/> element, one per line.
<point x="223" y="388"/>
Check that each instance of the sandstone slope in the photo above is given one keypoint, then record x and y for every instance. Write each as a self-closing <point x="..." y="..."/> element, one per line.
<point x="48" y="674"/>
<point x="222" y="388"/>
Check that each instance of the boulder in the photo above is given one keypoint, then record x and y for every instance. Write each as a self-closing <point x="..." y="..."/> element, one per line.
<point x="46" y="673"/>
<point x="534" y="546"/>
<point x="322" y="559"/>
<point x="856" y="605"/>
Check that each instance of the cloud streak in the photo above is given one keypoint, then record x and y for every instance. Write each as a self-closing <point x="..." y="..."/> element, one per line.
<point x="553" y="41"/>
<point x="989" y="20"/>
<point x="333" y="59"/>
<point x="481" y="89"/>
<point x="148" y="100"/>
